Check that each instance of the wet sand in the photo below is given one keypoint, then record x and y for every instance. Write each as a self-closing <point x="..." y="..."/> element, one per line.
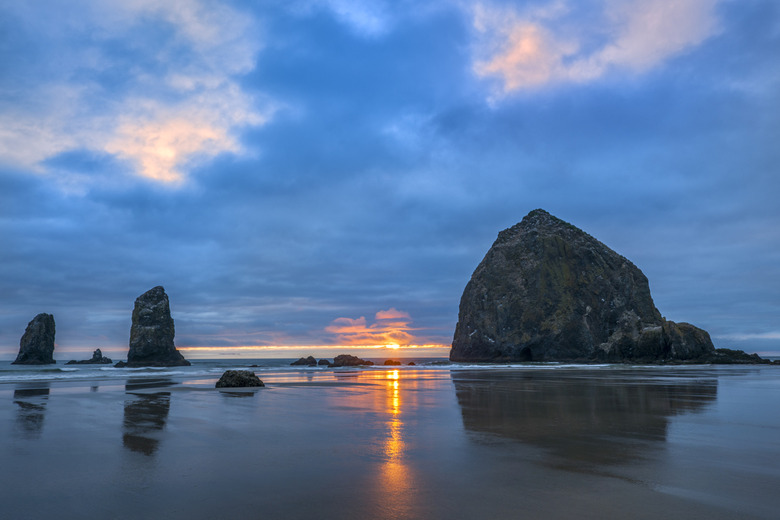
<point x="513" y="443"/>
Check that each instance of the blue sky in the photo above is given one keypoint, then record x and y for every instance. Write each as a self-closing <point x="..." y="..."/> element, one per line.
<point x="330" y="172"/>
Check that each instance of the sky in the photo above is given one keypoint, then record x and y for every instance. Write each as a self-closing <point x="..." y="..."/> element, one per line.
<point x="306" y="176"/>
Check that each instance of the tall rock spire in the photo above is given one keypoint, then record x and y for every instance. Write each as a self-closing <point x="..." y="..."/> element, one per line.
<point x="152" y="331"/>
<point x="37" y="344"/>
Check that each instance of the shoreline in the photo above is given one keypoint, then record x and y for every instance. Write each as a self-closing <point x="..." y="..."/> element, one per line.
<point x="397" y="442"/>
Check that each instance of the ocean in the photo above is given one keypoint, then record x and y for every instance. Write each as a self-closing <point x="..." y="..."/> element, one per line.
<point x="206" y="368"/>
<point x="433" y="440"/>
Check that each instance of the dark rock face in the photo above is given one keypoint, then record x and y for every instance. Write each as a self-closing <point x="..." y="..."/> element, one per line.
<point x="323" y="362"/>
<point x="238" y="379"/>
<point x="151" y="333"/>
<point x="348" y="360"/>
<point x="37" y="344"/>
<point x="97" y="359"/>
<point x="392" y="362"/>
<point x="307" y="362"/>
<point x="547" y="291"/>
<point x="727" y="356"/>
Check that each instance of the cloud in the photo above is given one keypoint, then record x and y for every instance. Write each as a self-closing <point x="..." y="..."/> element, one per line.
<point x="153" y="84"/>
<point x="555" y="44"/>
<point x="391" y="327"/>
<point x="393" y="314"/>
<point x="162" y="141"/>
<point x="369" y="17"/>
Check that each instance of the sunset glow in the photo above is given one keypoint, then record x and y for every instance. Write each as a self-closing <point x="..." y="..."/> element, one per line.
<point x="292" y="351"/>
<point x="391" y="329"/>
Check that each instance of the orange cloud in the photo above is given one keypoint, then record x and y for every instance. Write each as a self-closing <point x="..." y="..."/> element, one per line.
<point x="534" y="47"/>
<point x="390" y="327"/>
<point x="159" y="148"/>
<point x="391" y="313"/>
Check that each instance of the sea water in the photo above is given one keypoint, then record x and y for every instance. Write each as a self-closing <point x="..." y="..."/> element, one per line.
<point x="434" y="440"/>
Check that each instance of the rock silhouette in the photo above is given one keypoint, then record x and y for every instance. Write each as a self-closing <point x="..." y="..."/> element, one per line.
<point x="348" y="360"/>
<point x="97" y="359"/>
<point x="238" y="379"/>
<point x="151" y="333"/>
<point x="307" y="361"/>
<point x="37" y="344"/>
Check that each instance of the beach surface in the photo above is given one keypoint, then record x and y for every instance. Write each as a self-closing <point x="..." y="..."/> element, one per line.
<point x="394" y="442"/>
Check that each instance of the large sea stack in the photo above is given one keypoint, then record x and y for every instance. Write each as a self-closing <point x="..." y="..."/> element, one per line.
<point x="151" y="334"/>
<point x="548" y="291"/>
<point x="37" y="344"/>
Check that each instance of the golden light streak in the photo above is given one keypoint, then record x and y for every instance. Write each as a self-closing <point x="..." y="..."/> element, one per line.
<point x="324" y="351"/>
<point x="395" y="480"/>
<point x="313" y="347"/>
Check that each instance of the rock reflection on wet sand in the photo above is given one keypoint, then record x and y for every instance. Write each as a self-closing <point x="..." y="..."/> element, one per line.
<point x="32" y="408"/>
<point x="145" y="416"/>
<point x="580" y="417"/>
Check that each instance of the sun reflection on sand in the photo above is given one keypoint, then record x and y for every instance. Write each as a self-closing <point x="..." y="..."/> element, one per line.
<point x="394" y="476"/>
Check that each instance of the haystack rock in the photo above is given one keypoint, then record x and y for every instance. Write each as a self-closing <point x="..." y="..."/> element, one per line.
<point x="151" y="333"/>
<point x="37" y="344"/>
<point x="548" y="291"/>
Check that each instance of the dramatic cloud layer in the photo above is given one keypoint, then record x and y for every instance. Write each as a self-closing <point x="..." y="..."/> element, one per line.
<point x="320" y="173"/>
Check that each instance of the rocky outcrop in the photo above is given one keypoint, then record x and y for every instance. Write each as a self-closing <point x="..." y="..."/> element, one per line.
<point x="323" y="361"/>
<point x="238" y="379"/>
<point x="392" y="362"/>
<point x="37" y="344"/>
<point x="97" y="359"/>
<point x="305" y="362"/>
<point x="348" y="360"/>
<point x="548" y="291"/>
<point x="151" y="333"/>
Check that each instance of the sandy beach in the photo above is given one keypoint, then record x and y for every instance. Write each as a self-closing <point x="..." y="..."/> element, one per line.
<point x="604" y="442"/>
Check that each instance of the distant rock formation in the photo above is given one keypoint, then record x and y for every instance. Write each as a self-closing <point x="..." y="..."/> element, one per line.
<point x="347" y="360"/>
<point x="151" y="333"/>
<point x="323" y="361"/>
<point x="37" y="344"/>
<point x="548" y="291"/>
<point x="97" y="359"/>
<point x="238" y="379"/>
<point x="308" y="361"/>
<point x="392" y="362"/>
